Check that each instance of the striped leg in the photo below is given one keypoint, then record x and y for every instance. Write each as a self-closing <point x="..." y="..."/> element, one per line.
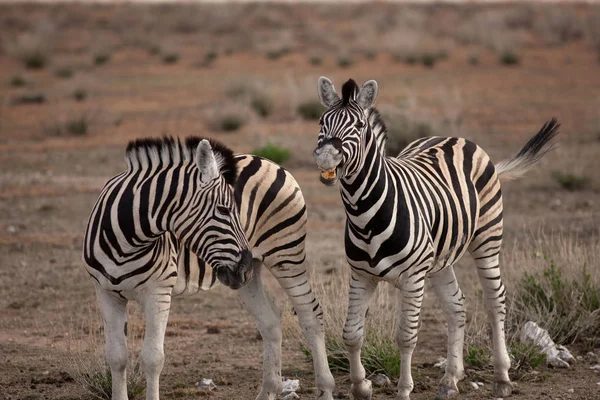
<point x="452" y="301"/>
<point x="361" y="291"/>
<point x="294" y="281"/>
<point x="494" y="294"/>
<point x="268" y="319"/>
<point x="156" y="304"/>
<point x="407" y="330"/>
<point x="114" y="313"/>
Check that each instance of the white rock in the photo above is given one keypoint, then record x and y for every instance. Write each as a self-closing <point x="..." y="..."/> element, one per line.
<point x="441" y="363"/>
<point x="380" y="380"/>
<point x="290" y="385"/>
<point x="290" y="396"/>
<point x="532" y="333"/>
<point x="474" y="385"/>
<point x="11" y="229"/>
<point x="571" y="390"/>
<point x="206" y="385"/>
<point x="597" y="366"/>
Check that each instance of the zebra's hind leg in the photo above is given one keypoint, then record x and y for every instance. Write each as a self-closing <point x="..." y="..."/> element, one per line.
<point x="114" y="313"/>
<point x="361" y="291"/>
<point x="452" y="301"/>
<point x="268" y="320"/>
<point x="156" y="304"/>
<point x="409" y="322"/>
<point x="294" y="280"/>
<point x="495" y="297"/>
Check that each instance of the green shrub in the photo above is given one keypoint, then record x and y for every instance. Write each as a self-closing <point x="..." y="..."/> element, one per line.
<point x="311" y="110"/>
<point x="345" y="61"/>
<point x="35" y="60"/>
<point x="261" y="104"/>
<point x="474" y="59"/>
<point x="170" y="57"/>
<point x="379" y="355"/>
<point x="80" y="95"/>
<point x="273" y="152"/>
<point x="30" y="98"/>
<point x="64" y="73"/>
<point x="428" y="60"/>
<point x="316" y="60"/>
<point x="571" y="181"/>
<point x="276" y="54"/>
<point x="17" y="81"/>
<point x="567" y="308"/>
<point x="370" y="54"/>
<point x="509" y="57"/>
<point x="101" y="58"/>
<point x="477" y="357"/>
<point x="231" y="122"/>
<point x="78" y="126"/>
<point x="99" y="383"/>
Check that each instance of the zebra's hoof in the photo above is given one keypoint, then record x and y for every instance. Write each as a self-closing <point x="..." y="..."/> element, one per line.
<point x="502" y="388"/>
<point x="362" y="390"/>
<point x="446" y="392"/>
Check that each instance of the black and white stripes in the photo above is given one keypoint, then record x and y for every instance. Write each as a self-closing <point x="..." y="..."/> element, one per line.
<point x="411" y="218"/>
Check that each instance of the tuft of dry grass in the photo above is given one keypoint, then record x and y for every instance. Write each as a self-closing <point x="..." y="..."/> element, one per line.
<point x="33" y="49"/>
<point x="229" y="117"/>
<point x="85" y="360"/>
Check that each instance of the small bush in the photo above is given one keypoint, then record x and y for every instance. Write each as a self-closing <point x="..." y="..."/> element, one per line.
<point x="98" y="383"/>
<point x="29" y="98"/>
<point x="209" y="58"/>
<point x="33" y="49"/>
<point x="80" y="95"/>
<point x="17" y="81"/>
<point x="410" y="59"/>
<point x="74" y="126"/>
<point x="311" y="110"/>
<point x="231" y="122"/>
<point x="262" y="105"/>
<point x="273" y="152"/>
<point x="316" y="60"/>
<point x="370" y="54"/>
<point x="477" y="357"/>
<point x="101" y="58"/>
<point x="170" y="57"/>
<point x="402" y="131"/>
<point x="64" y="73"/>
<point x="276" y="54"/>
<point x="36" y="60"/>
<point x="77" y="126"/>
<point x="474" y="59"/>
<point x="509" y="57"/>
<point x="428" y="60"/>
<point x="345" y="61"/>
<point x="571" y="181"/>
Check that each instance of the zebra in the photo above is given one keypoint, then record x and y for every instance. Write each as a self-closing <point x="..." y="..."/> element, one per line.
<point x="182" y="216"/>
<point x="412" y="217"/>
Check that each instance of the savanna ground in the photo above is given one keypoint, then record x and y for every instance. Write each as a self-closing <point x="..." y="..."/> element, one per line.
<point x="79" y="81"/>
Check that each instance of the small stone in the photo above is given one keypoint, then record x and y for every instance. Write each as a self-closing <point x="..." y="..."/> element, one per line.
<point x="11" y="229"/>
<point x="290" y="385"/>
<point x="380" y="380"/>
<point x="474" y="385"/>
<point x="571" y="390"/>
<point x="480" y="384"/>
<point x="441" y="363"/>
<point x="205" y="385"/>
<point x="290" y="396"/>
<point x="595" y="367"/>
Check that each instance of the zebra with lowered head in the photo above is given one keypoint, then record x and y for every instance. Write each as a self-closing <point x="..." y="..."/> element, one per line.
<point x="412" y="217"/>
<point x="183" y="215"/>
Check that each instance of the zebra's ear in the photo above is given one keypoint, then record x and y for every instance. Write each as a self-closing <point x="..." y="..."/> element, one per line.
<point x="367" y="94"/>
<point x="326" y="91"/>
<point x="206" y="162"/>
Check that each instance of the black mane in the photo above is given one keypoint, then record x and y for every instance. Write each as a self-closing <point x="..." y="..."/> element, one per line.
<point x="349" y="90"/>
<point x="225" y="159"/>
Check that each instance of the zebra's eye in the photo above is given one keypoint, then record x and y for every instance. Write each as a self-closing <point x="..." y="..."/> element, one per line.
<point x="223" y="210"/>
<point x="360" y="125"/>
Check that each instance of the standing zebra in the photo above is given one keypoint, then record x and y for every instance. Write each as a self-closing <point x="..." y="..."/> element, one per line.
<point x="411" y="217"/>
<point x="176" y="205"/>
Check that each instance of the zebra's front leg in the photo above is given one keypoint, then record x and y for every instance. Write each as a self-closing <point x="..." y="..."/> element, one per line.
<point x="361" y="291"/>
<point x="452" y="301"/>
<point x="268" y="320"/>
<point x="408" y="329"/>
<point x="294" y="280"/>
<point x="114" y="313"/>
<point x="156" y="304"/>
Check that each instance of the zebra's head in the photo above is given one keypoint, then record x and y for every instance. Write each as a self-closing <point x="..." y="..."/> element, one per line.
<point x="339" y="150"/>
<point x="213" y="230"/>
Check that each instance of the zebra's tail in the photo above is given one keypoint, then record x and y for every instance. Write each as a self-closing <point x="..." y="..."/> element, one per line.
<point x="532" y="152"/>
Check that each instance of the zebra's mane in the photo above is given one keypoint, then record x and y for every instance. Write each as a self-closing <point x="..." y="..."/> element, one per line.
<point x="146" y="151"/>
<point x="378" y="128"/>
<point x="349" y="91"/>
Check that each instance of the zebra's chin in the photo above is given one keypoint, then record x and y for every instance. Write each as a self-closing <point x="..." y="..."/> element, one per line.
<point x="238" y="276"/>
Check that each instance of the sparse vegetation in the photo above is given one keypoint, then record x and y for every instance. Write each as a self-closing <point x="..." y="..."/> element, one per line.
<point x="254" y="95"/>
<point x="170" y="57"/>
<point x="311" y="110"/>
<point x="571" y="181"/>
<point x="275" y="54"/>
<point x="17" y="81"/>
<point x="80" y="94"/>
<point x="231" y="122"/>
<point x="229" y="117"/>
<point x="64" y="72"/>
<point x="316" y="60"/>
<point x="101" y="57"/>
<point x="78" y="125"/>
<point x="345" y="61"/>
<point x="403" y="130"/>
<point x="509" y="57"/>
<point x="270" y="151"/>
<point x="428" y="60"/>
<point x="262" y="105"/>
<point x="209" y="58"/>
<point x="29" y="98"/>
<point x="474" y="59"/>
<point x="32" y="49"/>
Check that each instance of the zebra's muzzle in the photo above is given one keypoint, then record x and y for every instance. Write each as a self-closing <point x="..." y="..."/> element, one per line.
<point x="329" y="177"/>
<point x="239" y="275"/>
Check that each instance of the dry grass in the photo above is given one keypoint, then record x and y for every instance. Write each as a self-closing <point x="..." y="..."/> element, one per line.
<point x="86" y="364"/>
<point x="229" y="117"/>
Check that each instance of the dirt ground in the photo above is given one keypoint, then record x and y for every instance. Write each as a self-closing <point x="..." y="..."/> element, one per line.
<point x="49" y="181"/>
